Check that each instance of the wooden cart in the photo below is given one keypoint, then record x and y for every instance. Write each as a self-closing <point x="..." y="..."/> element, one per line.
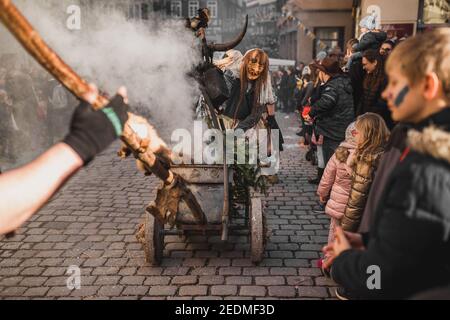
<point x="211" y="185"/>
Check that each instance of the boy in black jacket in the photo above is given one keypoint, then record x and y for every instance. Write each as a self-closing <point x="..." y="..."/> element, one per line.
<point x="408" y="248"/>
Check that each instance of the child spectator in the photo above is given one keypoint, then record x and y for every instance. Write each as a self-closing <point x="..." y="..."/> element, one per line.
<point x="372" y="136"/>
<point x="412" y="221"/>
<point x="334" y="188"/>
<point x="371" y="38"/>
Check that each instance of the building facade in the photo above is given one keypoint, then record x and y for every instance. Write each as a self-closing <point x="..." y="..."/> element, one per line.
<point x="227" y="16"/>
<point x="403" y="18"/>
<point x="134" y="9"/>
<point x="263" y="33"/>
<point x="310" y="26"/>
<point x="433" y="13"/>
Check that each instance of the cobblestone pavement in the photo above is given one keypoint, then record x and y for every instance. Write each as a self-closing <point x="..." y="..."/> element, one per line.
<point x="92" y="221"/>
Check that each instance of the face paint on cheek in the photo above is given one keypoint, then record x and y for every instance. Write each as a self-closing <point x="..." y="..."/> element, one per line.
<point x="401" y="96"/>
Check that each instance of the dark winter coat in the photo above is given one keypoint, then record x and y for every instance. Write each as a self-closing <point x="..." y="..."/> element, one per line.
<point x="371" y="40"/>
<point x="389" y="160"/>
<point x="291" y="85"/>
<point x="316" y="93"/>
<point x="284" y="84"/>
<point x="356" y="73"/>
<point x="307" y="92"/>
<point x="334" y="111"/>
<point x="441" y="293"/>
<point x="410" y="239"/>
<point x="372" y="101"/>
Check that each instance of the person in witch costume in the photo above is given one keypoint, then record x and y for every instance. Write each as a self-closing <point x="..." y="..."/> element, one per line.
<point x="255" y="100"/>
<point x="230" y="65"/>
<point x="253" y="106"/>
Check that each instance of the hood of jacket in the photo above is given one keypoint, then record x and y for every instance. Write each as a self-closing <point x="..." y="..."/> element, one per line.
<point x="351" y="152"/>
<point x="432" y="137"/>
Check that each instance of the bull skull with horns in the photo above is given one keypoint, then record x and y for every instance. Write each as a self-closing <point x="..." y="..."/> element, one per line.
<point x="212" y="82"/>
<point x="199" y="23"/>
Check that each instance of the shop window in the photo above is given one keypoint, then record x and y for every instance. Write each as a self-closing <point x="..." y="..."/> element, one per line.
<point x="436" y="11"/>
<point x="330" y="36"/>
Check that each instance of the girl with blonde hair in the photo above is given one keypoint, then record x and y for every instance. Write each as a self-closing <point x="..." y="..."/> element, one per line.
<point x="372" y="136"/>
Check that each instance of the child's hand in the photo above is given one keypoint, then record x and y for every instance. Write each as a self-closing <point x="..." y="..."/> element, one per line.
<point x="322" y="199"/>
<point x="355" y="240"/>
<point x="344" y="241"/>
<point x="340" y="243"/>
<point x="329" y="255"/>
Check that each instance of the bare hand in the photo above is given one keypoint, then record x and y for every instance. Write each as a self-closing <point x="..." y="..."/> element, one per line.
<point x="329" y="255"/>
<point x="332" y="251"/>
<point x="340" y="243"/>
<point x="201" y="33"/>
<point x="355" y="240"/>
<point x="93" y="93"/>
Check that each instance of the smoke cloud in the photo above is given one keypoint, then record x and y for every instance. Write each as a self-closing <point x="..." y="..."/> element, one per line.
<point x="150" y="58"/>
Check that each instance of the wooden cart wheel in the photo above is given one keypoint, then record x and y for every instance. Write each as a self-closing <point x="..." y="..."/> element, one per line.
<point x="154" y="240"/>
<point x="257" y="230"/>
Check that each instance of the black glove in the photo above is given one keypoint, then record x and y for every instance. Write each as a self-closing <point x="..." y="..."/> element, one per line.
<point x="272" y="122"/>
<point x="91" y="131"/>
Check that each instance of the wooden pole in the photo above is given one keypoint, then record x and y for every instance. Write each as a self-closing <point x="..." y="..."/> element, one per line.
<point x="22" y="30"/>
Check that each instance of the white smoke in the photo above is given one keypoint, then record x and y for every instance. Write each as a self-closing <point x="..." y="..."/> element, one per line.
<point x="150" y="58"/>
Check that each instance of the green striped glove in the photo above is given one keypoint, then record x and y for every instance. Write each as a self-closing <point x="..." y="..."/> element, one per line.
<point x="91" y="131"/>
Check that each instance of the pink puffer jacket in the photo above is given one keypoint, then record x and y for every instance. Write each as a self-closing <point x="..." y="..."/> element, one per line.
<point x="336" y="183"/>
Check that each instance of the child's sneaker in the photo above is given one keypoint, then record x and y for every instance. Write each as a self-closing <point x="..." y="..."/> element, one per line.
<point x="321" y="209"/>
<point x="343" y="294"/>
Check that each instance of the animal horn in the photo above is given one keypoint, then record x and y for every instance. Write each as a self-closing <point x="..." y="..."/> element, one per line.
<point x="232" y="44"/>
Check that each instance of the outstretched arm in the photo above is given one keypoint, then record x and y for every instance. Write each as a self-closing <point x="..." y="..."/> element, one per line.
<point x="26" y="189"/>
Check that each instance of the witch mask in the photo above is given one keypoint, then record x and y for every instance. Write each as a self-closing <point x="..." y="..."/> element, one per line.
<point x="255" y="66"/>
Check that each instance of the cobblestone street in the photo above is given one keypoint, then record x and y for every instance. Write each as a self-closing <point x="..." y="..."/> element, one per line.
<point x="92" y="221"/>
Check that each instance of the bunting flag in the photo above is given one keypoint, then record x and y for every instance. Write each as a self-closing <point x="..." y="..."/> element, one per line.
<point x="308" y="33"/>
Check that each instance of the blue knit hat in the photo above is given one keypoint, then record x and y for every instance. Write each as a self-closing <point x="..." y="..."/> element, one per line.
<point x="369" y="22"/>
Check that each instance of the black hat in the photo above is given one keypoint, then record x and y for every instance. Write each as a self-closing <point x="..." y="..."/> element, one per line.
<point x="329" y="65"/>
